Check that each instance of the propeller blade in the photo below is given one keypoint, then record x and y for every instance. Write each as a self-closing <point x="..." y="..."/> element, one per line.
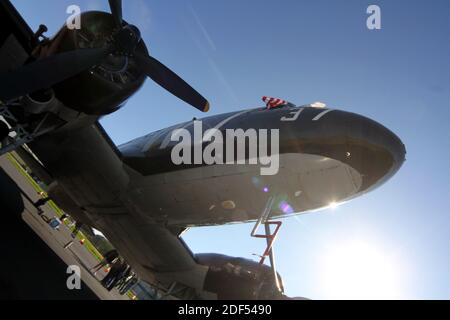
<point x="116" y="10"/>
<point x="46" y="72"/>
<point x="170" y="81"/>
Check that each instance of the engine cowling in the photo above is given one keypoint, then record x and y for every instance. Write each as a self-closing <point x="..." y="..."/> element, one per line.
<point x="106" y="87"/>
<point x="239" y="278"/>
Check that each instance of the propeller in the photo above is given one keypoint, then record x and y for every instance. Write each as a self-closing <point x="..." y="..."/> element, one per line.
<point x="170" y="81"/>
<point x="116" y="10"/>
<point x="51" y="70"/>
<point x="48" y="71"/>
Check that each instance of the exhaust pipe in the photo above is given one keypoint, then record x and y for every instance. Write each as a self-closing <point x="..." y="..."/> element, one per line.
<point x="40" y="101"/>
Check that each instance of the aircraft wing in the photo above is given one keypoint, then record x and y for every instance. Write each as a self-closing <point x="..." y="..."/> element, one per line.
<point x="91" y="157"/>
<point x="16" y="37"/>
<point x="91" y="181"/>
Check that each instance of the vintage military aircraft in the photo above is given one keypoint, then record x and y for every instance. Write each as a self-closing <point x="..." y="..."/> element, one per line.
<point x="53" y="93"/>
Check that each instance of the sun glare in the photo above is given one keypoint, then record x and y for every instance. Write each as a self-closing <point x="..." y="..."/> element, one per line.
<point x="333" y="205"/>
<point x="357" y="270"/>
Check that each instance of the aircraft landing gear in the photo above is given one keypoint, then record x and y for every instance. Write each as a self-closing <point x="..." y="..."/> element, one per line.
<point x="19" y="134"/>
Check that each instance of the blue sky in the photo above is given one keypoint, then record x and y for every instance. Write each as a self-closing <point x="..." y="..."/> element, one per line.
<point x="390" y="243"/>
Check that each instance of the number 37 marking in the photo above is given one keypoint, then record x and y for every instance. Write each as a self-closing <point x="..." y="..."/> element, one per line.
<point x="294" y="115"/>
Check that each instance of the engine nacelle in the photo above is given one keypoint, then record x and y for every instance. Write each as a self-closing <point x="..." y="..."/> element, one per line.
<point x="106" y="87"/>
<point x="238" y="278"/>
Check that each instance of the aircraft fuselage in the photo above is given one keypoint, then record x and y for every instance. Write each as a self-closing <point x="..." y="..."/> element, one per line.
<point x="324" y="156"/>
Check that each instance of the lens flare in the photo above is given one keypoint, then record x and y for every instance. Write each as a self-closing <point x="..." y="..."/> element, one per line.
<point x="285" y="207"/>
<point x="333" y="205"/>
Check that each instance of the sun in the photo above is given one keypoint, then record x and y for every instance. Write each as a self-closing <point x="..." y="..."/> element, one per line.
<point x="333" y="205"/>
<point x="359" y="270"/>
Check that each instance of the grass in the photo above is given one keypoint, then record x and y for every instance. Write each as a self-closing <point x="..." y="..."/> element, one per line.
<point x="89" y="246"/>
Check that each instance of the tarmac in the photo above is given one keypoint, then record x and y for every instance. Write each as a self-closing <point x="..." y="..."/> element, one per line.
<point x="33" y="260"/>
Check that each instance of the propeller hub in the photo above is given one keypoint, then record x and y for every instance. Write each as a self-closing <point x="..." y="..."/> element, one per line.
<point x="126" y="40"/>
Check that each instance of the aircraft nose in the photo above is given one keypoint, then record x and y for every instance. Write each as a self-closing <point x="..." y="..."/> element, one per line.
<point x="373" y="150"/>
<point x="376" y="151"/>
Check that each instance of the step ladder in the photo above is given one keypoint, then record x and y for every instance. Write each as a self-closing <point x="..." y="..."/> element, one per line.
<point x="269" y="236"/>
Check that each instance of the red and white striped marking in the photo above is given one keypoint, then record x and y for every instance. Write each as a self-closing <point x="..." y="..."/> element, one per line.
<point x="273" y="102"/>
